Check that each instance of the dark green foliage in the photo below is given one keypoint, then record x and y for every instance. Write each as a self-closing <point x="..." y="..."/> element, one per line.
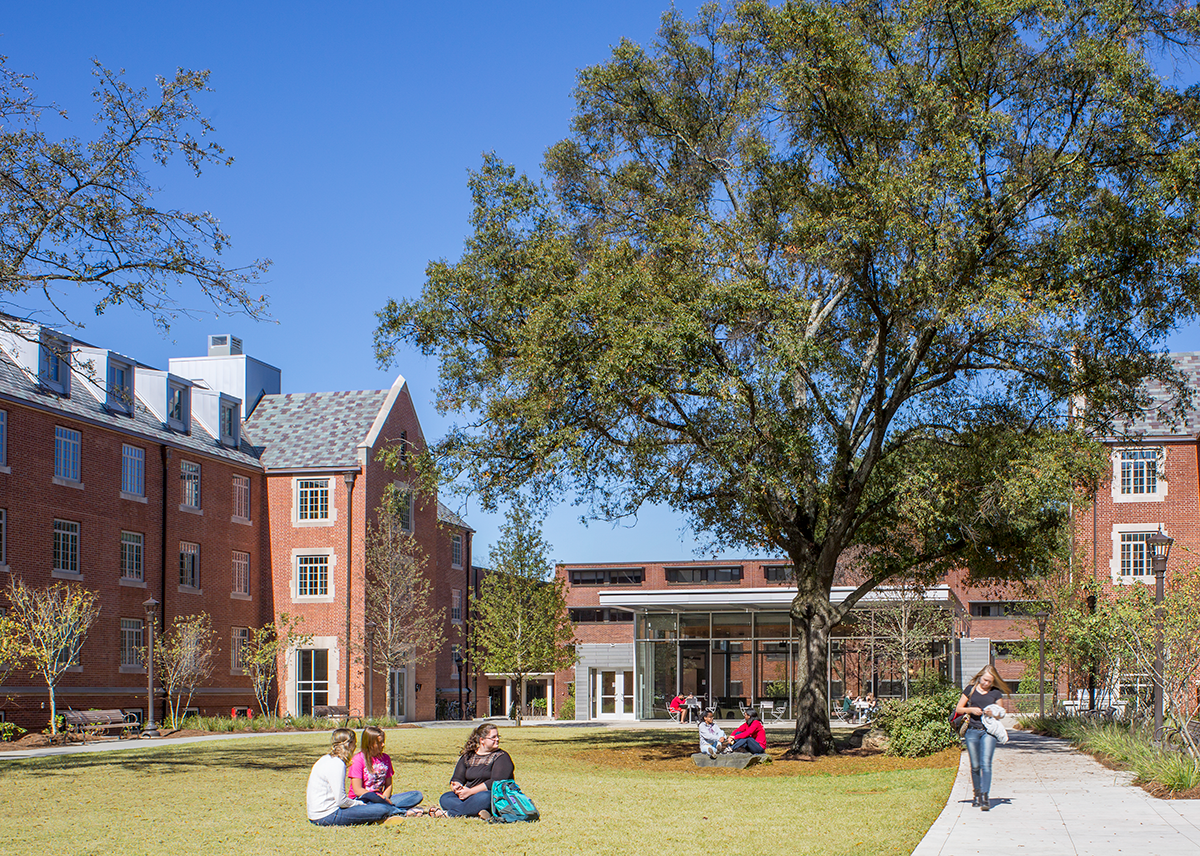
<point x="920" y="725"/>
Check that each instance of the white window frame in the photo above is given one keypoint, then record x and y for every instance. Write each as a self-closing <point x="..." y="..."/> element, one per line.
<point x="133" y="472"/>
<point x="331" y="558"/>
<point x="132" y="638"/>
<point x="68" y="454"/>
<point x="227" y="424"/>
<point x="456" y="550"/>
<point x="4" y="468"/>
<point x="119" y="391"/>
<point x="65" y="544"/>
<point x="303" y="487"/>
<point x="133" y="558"/>
<point x="54" y="364"/>
<point x="189" y="477"/>
<point x="240" y="571"/>
<point x="456" y="606"/>
<point x="241" y="499"/>
<point x="3" y="540"/>
<point x="1121" y="467"/>
<point x="1122" y="529"/>
<point x="189" y="579"/>
<point x="407" y="519"/>
<point x="238" y="637"/>
<point x="179" y="418"/>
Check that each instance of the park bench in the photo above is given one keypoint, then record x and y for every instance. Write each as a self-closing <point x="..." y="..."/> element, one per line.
<point x="332" y="711"/>
<point x="83" y="721"/>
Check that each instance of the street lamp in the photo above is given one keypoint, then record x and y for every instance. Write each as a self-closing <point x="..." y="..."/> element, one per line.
<point x="151" y="619"/>
<point x="1160" y="548"/>
<point x="370" y="668"/>
<point x="1041" y="620"/>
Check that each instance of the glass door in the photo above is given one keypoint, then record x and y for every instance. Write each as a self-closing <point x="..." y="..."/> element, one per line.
<point x="312" y="681"/>
<point x="399" y="679"/>
<point x="612" y="694"/>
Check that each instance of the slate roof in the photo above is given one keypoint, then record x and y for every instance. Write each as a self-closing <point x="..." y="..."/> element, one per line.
<point x="1159" y="419"/>
<point x="445" y="515"/>
<point x="16" y="384"/>
<point x="313" y="429"/>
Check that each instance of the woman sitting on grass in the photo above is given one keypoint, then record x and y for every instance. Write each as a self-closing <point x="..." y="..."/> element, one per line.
<point x="371" y="777"/>
<point x="481" y="762"/>
<point x="328" y="804"/>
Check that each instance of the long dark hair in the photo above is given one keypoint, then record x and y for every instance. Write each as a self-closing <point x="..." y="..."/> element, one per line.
<point x="480" y="732"/>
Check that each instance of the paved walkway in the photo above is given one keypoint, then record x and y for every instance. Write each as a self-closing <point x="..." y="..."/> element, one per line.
<point x="1048" y="799"/>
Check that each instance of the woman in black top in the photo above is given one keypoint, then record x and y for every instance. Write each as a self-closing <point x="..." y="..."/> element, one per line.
<point x="986" y="688"/>
<point x="482" y="761"/>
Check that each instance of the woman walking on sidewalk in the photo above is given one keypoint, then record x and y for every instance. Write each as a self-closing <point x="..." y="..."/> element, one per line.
<point x="986" y="688"/>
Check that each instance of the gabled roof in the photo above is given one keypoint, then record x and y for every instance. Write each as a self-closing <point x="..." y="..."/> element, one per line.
<point x="314" y="429"/>
<point x="1159" y="419"/>
<point x="83" y="405"/>
<point x="445" y="515"/>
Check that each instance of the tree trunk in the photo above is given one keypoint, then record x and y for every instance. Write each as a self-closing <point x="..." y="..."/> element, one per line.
<point x="811" y="618"/>
<point x="53" y="713"/>
<point x="387" y="695"/>
<point x="519" y="683"/>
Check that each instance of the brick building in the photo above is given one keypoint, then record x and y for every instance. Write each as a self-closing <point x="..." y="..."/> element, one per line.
<point x="139" y="483"/>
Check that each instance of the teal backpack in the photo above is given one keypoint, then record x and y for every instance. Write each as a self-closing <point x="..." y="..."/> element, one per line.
<point x="509" y="805"/>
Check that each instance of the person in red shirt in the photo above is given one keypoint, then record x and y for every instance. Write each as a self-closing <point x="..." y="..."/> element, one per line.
<point x="750" y="736"/>
<point x="676" y="707"/>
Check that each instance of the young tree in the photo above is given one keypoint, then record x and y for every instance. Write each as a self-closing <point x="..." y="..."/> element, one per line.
<point x="52" y="624"/>
<point x="826" y="276"/>
<point x="11" y="650"/>
<point x="183" y="657"/>
<point x="399" y="595"/>
<point x="79" y="212"/>
<point x="905" y="623"/>
<point x="262" y="652"/>
<point x="520" y="624"/>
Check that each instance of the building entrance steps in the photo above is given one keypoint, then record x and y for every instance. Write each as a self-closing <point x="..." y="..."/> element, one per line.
<point x="1049" y="799"/>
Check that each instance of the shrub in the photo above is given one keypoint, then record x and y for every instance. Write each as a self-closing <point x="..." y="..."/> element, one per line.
<point x="10" y="731"/>
<point x="919" y="726"/>
<point x="566" y="710"/>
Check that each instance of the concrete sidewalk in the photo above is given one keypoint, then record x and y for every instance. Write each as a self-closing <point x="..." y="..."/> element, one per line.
<point x="1049" y="799"/>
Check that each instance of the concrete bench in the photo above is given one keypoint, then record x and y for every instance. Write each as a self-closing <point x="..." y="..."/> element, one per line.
<point x="730" y="760"/>
<point x="83" y="721"/>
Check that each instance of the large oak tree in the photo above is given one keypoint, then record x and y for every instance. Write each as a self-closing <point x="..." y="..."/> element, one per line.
<point x="828" y="276"/>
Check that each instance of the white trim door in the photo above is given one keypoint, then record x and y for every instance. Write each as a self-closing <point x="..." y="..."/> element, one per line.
<point x="612" y="694"/>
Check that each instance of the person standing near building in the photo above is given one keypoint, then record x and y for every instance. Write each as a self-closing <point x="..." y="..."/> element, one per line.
<point x="986" y="688"/>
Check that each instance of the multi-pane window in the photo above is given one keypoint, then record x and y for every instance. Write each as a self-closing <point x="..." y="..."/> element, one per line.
<point x="312" y="680"/>
<point x="66" y="453"/>
<point x="704" y="576"/>
<point x="456" y="606"/>
<point x="176" y="404"/>
<point x="1139" y="471"/>
<point x="241" y="497"/>
<point x="229" y="424"/>
<point x="456" y="549"/>
<point x="238" y="639"/>
<point x="132" y="549"/>
<point x="189" y="565"/>
<point x="241" y="572"/>
<point x="190" y="473"/>
<point x="1135" y="554"/>
<point x="3" y="437"/>
<point x="131" y="642"/>
<point x="133" y="470"/>
<point x="596" y="615"/>
<point x="66" y="546"/>
<point x="312" y="576"/>
<point x="404" y="510"/>
<point x="607" y="576"/>
<point x="778" y="573"/>
<point x="313" y="499"/>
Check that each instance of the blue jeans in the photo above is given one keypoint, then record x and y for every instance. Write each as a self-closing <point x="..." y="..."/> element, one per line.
<point x="470" y="807"/>
<point x="400" y="802"/>
<point x="747" y="744"/>
<point x="980" y="748"/>
<point x="356" y="814"/>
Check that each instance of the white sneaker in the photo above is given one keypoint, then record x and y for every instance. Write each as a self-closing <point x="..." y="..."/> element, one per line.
<point x="712" y="753"/>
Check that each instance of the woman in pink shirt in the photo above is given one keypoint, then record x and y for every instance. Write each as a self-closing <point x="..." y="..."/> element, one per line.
<point x="370" y="775"/>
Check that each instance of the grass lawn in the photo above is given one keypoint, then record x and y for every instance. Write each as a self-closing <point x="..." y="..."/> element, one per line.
<point x="603" y="791"/>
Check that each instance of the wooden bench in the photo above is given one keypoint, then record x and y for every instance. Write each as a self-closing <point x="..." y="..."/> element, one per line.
<point x="332" y="711"/>
<point x="83" y="721"/>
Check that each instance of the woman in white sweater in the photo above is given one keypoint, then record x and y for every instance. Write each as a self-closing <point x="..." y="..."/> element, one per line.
<point x="328" y="804"/>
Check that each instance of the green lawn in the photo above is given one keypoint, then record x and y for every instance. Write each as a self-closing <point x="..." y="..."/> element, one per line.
<point x="599" y="790"/>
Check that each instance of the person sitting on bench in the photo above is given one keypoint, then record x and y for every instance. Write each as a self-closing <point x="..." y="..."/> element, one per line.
<point x="750" y="736"/>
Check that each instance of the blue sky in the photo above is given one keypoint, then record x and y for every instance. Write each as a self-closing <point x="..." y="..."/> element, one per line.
<point x="353" y="126"/>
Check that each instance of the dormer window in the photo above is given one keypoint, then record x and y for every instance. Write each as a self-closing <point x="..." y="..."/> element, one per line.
<point x="120" y="387"/>
<point x="229" y="424"/>
<point x="178" y="407"/>
<point x="54" y="364"/>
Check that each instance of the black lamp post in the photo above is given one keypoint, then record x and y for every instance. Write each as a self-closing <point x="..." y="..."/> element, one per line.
<point x="458" y="664"/>
<point x="1160" y="548"/>
<point x="1041" y="620"/>
<point x="149" y="730"/>
<point x="370" y="668"/>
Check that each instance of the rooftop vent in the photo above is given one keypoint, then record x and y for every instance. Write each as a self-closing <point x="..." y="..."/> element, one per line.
<point x="224" y="345"/>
